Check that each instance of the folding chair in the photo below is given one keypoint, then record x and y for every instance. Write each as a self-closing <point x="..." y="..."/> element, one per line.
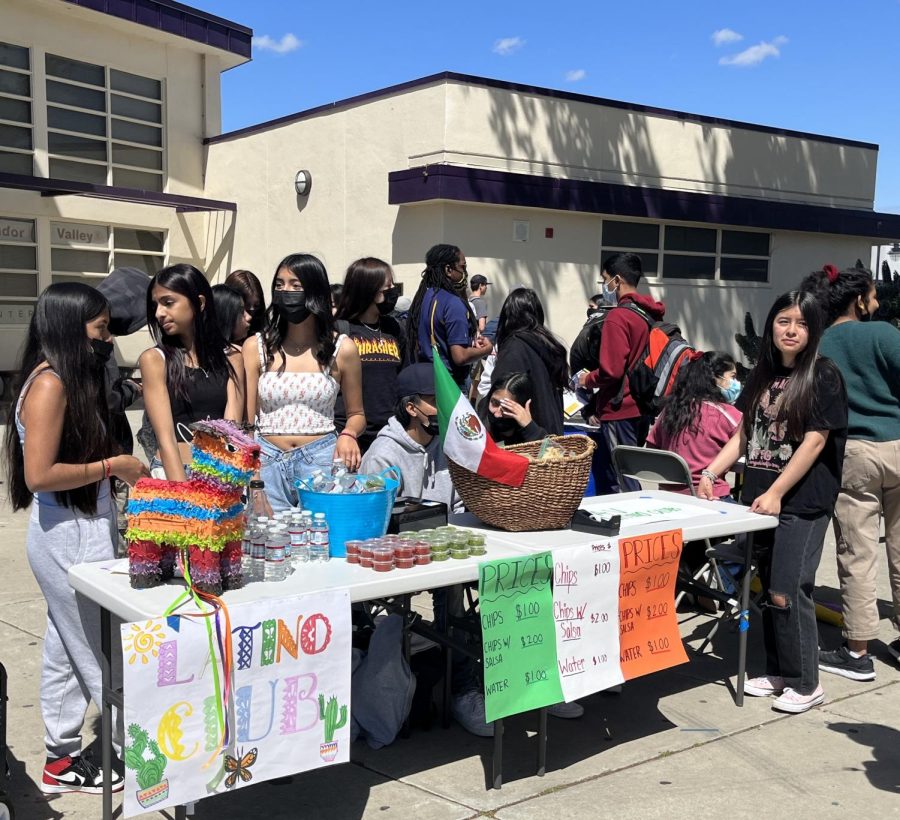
<point x="665" y="467"/>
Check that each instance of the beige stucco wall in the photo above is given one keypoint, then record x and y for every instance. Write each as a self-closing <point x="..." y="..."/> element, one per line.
<point x="192" y="110"/>
<point x="533" y="134"/>
<point x="349" y="153"/>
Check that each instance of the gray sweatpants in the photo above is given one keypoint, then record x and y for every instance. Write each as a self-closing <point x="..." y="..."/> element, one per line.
<point x="58" y="538"/>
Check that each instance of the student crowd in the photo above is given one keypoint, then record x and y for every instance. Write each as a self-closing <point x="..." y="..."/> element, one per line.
<point x="322" y="374"/>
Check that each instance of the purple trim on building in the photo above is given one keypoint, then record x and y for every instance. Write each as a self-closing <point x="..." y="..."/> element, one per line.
<point x="178" y="19"/>
<point x="485" y="187"/>
<point x="63" y="187"/>
<point x="470" y="79"/>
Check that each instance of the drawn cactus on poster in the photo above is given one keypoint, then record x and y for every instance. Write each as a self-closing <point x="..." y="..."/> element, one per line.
<point x="329" y="716"/>
<point x="149" y="769"/>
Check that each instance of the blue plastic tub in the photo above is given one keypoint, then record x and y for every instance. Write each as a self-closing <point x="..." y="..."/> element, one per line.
<point x="352" y="516"/>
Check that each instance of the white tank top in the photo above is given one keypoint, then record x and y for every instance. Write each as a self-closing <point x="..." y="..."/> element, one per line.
<point x="296" y="404"/>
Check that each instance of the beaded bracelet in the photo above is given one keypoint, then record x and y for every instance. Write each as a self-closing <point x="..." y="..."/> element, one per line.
<point x="710" y="475"/>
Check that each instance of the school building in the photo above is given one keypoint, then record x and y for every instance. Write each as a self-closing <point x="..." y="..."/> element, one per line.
<point x="111" y="153"/>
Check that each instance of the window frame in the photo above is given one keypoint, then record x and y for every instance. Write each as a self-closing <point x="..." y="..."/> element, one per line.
<point x="35" y="243"/>
<point x="109" y="141"/>
<point x="30" y="100"/>
<point x="110" y="248"/>
<point x="659" y="278"/>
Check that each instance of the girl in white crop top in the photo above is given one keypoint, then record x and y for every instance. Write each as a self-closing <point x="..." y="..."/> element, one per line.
<point x="295" y="371"/>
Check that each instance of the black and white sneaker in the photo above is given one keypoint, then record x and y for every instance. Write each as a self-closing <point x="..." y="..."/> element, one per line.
<point x="76" y="774"/>
<point x="841" y="662"/>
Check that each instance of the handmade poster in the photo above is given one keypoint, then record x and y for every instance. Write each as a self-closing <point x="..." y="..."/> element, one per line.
<point x="643" y="510"/>
<point x="586" y="611"/>
<point x="192" y="729"/>
<point x="649" y="638"/>
<point x="517" y="626"/>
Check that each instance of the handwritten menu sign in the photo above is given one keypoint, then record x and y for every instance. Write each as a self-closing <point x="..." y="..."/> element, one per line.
<point x="520" y="671"/>
<point x="649" y="639"/>
<point x="586" y="611"/>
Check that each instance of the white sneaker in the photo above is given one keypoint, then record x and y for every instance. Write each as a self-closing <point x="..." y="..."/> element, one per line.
<point x="567" y="711"/>
<point x="468" y="711"/>
<point x="764" y="686"/>
<point x="793" y="702"/>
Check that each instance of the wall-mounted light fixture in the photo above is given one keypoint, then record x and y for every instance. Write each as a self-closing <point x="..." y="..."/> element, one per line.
<point x="302" y="183"/>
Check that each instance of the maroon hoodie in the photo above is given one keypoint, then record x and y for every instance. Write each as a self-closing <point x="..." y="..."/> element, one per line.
<point x="624" y="339"/>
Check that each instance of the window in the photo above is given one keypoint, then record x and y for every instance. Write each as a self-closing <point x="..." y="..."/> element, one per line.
<point x="635" y="237"/>
<point x="687" y="252"/>
<point x="85" y="252"/>
<point x="18" y="270"/>
<point x="16" y="138"/>
<point x="103" y="125"/>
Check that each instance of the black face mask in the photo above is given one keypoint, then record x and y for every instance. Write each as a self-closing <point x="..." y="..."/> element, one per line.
<point x="432" y="427"/>
<point x="292" y="305"/>
<point x="390" y="301"/>
<point x="503" y="427"/>
<point x="101" y="351"/>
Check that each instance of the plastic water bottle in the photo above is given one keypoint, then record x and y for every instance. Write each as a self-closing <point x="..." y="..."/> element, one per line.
<point x="319" y="548"/>
<point x="299" y="537"/>
<point x="274" y="569"/>
<point x="247" y="546"/>
<point x="258" y="549"/>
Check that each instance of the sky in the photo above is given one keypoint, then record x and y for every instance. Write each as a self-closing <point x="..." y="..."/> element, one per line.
<point x="823" y="67"/>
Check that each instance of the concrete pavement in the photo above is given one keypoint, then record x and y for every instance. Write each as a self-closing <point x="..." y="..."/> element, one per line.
<point x="672" y="745"/>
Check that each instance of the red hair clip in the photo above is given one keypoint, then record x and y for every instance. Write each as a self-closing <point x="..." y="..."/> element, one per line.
<point x="694" y="355"/>
<point x="831" y="272"/>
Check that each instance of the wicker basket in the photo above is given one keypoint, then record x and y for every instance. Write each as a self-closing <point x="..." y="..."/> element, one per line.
<point x="548" y="497"/>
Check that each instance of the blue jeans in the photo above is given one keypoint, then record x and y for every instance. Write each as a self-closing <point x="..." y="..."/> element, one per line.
<point x="279" y="469"/>
<point x="788" y="559"/>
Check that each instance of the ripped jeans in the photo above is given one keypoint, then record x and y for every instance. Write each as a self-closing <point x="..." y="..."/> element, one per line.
<point x="788" y="557"/>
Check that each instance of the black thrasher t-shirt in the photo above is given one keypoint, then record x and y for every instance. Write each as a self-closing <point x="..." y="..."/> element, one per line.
<point x="769" y="449"/>
<point x="381" y="353"/>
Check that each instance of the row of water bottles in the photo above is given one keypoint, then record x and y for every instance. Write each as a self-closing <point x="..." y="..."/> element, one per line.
<point x="272" y="547"/>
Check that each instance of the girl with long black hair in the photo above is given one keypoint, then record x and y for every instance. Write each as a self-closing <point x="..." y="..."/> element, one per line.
<point x="440" y="306"/>
<point x="699" y="418"/>
<point x="294" y="372"/>
<point x="60" y="455"/>
<point x="363" y="313"/>
<point x="793" y="435"/>
<point x="232" y="315"/>
<point x="868" y="354"/>
<point x="192" y="373"/>
<point x="524" y="345"/>
<point x="248" y="285"/>
<point x="506" y="410"/>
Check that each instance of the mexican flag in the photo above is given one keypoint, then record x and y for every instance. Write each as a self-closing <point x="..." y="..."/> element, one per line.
<point x="464" y="438"/>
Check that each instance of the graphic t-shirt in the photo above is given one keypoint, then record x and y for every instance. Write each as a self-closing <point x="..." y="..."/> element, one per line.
<point x="381" y="355"/>
<point x="769" y="449"/>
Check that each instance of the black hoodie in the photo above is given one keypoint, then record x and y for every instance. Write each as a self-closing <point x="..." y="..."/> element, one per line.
<point x="523" y="354"/>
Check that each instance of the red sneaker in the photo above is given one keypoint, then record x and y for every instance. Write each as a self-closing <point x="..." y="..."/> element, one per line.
<point x="76" y="774"/>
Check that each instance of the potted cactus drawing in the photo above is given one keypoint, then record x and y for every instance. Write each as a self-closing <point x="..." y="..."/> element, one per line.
<point x="331" y="722"/>
<point x="149" y="763"/>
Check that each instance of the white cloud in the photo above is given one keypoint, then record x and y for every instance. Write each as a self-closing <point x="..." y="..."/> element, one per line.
<point x="286" y="44"/>
<point x="726" y="35"/>
<point x="575" y="75"/>
<point x="508" y="45"/>
<point x="755" y="54"/>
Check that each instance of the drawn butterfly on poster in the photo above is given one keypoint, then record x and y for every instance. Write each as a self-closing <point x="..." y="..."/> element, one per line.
<point x="239" y="767"/>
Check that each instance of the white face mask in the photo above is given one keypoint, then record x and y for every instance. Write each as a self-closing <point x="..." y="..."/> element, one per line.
<point x="609" y="294"/>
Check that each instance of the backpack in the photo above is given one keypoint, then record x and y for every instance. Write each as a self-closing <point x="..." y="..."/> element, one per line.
<point x="650" y="380"/>
<point x="585" y="351"/>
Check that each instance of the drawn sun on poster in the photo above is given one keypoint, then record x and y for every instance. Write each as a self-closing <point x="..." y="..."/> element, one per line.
<point x="143" y="641"/>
